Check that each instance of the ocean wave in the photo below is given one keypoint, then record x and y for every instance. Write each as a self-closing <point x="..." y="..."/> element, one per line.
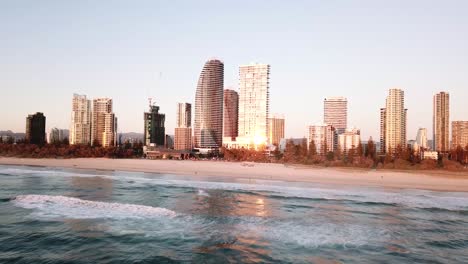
<point x="70" y="207"/>
<point x="278" y="190"/>
<point x="16" y="171"/>
<point x="373" y="196"/>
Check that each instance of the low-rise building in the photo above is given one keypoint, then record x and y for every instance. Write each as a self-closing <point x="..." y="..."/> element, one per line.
<point x="430" y="155"/>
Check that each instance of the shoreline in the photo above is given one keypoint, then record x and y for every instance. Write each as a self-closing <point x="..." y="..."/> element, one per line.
<point x="339" y="176"/>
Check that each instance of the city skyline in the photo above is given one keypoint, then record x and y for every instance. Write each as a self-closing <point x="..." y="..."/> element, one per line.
<point x="310" y="62"/>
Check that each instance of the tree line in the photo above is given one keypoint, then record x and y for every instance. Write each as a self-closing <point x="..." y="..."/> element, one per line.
<point x="63" y="149"/>
<point x="359" y="156"/>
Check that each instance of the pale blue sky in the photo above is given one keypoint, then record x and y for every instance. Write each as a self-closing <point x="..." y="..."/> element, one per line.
<point x="358" y="49"/>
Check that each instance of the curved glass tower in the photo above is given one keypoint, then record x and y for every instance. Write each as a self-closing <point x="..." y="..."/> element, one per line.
<point x="208" y="126"/>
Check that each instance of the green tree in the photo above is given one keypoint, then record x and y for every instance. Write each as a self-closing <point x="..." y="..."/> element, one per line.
<point x="289" y="151"/>
<point x="359" y="150"/>
<point x="338" y="153"/>
<point x="303" y="149"/>
<point x="370" y="149"/>
<point x="312" y="150"/>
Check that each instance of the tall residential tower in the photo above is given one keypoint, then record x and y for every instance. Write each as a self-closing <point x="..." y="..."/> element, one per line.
<point x="35" y="129"/>
<point x="208" y="125"/>
<point x="154" y="130"/>
<point x="231" y="114"/>
<point x="275" y="129"/>
<point x="183" y="130"/>
<point x="254" y="103"/>
<point x="393" y="121"/>
<point x="335" y="113"/>
<point x="441" y="123"/>
<point x="104" y="125"/>
<point x="81" y="119"/>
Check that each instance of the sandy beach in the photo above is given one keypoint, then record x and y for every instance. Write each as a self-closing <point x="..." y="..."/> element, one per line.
<point x="431" y="180"/>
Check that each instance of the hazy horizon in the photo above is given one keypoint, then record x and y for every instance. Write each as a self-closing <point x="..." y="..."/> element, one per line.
<point x="316" y="49"/>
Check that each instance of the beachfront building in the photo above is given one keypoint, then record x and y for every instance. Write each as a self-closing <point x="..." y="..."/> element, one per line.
<point x="208" y="125"/>
<point x="350" y="139"/>
<point x="420" y="143"/>
<point x="231" y="115"/>
<point x="104" y="125"/>
<point x="459" y="134"/>
<point x="441" y="123"/>
<point x="57" y="136"/>
<point x="335" y="113"/>
<point x="254" y="104"/>
<point x="183" y="131"/>
<point x="431" y="155"/>
<point x="324" y="136"/>
<point x="393" y="122"/>
<point x="184" y="115"/>
<point x="154" y="133"/>
<point x="81" y="119"/>
<point x="35" y="129"/>
<point x="275" y="129"/>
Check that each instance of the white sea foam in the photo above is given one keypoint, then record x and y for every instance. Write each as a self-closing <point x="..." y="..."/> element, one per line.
<point x="17" y="171"/>
<point x="70" y="207"/>
<point x="408" y="198"/>
<point x="203" y="193"/>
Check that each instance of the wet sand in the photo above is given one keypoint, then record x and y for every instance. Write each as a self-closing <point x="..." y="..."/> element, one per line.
<point x="431" y="180"/>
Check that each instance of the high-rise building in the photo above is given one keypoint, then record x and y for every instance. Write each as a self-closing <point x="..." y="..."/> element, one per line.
<point x="335" y="113"/>
<point x="323" y="136"/>
<point x="421" y="140"/>
<point x="154" y="130"/>
<point x="348" y="140"/>
<point x="183" y="138"/>
<point x="393" y="122"/>
<point x="254" y="103"/>
<point x="35" y="129"/>
<point x="184" y="115"/>
<point x="441" y="122"/>
<point x="57" y="136"/>
<point x="208" y="125"/>
<point x="382" y="130"/>
<point x="275" y="129"/>
<point x="104" y="125"/>
<point x="231" y="114"/>
<point x="459" y="134"/>
<point x="183" y="131"/>
<point x="81" y="119"/>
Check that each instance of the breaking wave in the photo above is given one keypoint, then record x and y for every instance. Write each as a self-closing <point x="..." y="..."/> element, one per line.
<point x="409" y="198"/>
<point x="70" y="207"/>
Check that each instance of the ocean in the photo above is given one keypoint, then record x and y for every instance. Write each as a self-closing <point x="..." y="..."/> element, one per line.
<point x="52" y="215"/>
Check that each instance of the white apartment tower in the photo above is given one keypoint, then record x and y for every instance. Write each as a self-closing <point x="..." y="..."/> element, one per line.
<point x="324" y="137"/>
<point x="393" y="121"/>
<point x="350" y="139"/>
<point x="104" y="125"/>
<point x="421" y="140"/>
<point x="81" y="119"/>
<point x="254" y="103"/>
<point x="335" y="113"/>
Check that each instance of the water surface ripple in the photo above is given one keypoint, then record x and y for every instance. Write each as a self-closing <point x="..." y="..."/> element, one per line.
<point x="80" y="216"/>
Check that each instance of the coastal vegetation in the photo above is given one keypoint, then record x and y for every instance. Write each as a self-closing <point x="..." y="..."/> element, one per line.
<point x="64" y="150"/>
<point x="360" y="157"/>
